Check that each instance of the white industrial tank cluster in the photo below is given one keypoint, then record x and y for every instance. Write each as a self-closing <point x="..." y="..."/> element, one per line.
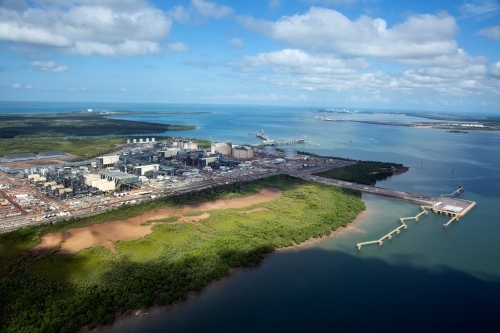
<point x="184" y="144"/>
<point x="222" y="148"/>
<point x="243" y="152"/>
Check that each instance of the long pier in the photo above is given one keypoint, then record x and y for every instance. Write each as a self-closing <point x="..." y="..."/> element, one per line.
<point x="457" y="191"/>
<point x="402" y="220"/>
<point x="380" y="241"/>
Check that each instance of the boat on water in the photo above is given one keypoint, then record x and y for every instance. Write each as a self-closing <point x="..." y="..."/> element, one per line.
<point x="262" y="135"/>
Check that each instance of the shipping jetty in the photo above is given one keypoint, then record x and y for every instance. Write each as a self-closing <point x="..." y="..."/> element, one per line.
<point x="445" y="204"/>
<point x="266" y="140"/>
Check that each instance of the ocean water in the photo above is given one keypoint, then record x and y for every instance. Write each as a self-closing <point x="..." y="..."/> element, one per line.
<point x="425" y="279"/>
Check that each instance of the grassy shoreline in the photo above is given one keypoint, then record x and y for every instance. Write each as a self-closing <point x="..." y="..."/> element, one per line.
<point x="89" y="287"/>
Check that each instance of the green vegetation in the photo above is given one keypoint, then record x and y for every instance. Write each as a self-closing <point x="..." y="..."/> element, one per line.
<point x="61" y="293"/>
<point x="363" y="172"/>
<point x="194" y="213"/>
<point x="76" y="124"/>
<point x="169" y="219"/>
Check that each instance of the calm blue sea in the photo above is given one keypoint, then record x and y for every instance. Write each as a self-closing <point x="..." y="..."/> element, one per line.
<point x="425" y="279"/>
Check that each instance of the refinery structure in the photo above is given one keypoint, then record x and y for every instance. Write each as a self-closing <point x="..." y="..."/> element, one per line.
<point x="145" y="167"/>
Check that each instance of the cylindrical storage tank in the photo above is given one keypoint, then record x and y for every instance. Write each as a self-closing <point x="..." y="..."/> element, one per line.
<point x="192" y="145"/>
<point x="140" y="140"/>
<point x="289" y="153"/>
<point x="152" y="139"/>
<point x="222" y="148"/>
<point x="242" y="152"/>
<point x="135" y="141"/>
<point x="255" y="150"/>
<point x="269" y="150"/>
<point x="128" y="141"/>
<point x="147" y="139"/>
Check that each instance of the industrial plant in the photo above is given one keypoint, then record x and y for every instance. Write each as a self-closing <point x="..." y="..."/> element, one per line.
<point x="144" y="168"/>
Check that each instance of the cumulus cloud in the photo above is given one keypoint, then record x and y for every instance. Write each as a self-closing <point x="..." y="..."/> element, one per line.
<point x="49" y="67"/>
<point x="300" y="62"/>
<point x="479" y="7"/>
<point x="492" y="33"/>
<point x="495" y="69"/>
<point x="328" y="30"/>
<point x="88" y="26"/>
<point x="237" y="43"/>
<point x="16" y="85"/>
<point x="178" y="47"/>
<point x="198" y="10"/>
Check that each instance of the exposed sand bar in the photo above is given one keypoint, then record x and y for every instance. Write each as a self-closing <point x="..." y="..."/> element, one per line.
<point x="107" y="233"/>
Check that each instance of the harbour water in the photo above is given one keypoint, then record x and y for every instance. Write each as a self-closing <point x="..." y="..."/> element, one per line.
<point x="425" y="279"/>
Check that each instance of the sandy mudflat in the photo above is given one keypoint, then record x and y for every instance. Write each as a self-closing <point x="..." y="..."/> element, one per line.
<point x="106" y="234"/>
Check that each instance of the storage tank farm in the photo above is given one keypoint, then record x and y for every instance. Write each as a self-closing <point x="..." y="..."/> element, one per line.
<point x="289" y="153"/>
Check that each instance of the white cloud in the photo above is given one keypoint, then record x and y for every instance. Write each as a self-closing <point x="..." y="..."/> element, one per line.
<point x="19" y="86"/>
<point x="491" y="32"/>
<point x="199" y="9"/>
<point x="211" y="9"/>
<point x="49" y="67"/>
<point x="363" y="99"/>
<point x="300" y="62"/>
<point x="479" y="7"/>
<point x="327" y="30"/>
<point x="88" y="27"/>
<point x="178" y="47"/>
<point x="237" y="43"/>
<point x="495" y="69"/>
<point x="274" y="4"/>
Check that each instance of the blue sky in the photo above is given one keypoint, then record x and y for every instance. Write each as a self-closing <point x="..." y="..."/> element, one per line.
<point x="418" y="55"/>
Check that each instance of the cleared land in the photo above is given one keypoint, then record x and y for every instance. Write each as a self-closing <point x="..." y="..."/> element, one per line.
<point x="106" y="234"/>
<point x="63" y="292"/>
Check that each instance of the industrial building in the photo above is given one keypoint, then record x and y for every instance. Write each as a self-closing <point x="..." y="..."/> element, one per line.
<point x="119" y="177"/>
<point x="18" y="157"/>
<point x="106" y="161"/>
<point x="51" y="154"/>
<point x="141" y="170"/>
<point x="243" y="152"/>
<point x="169" y="153"/>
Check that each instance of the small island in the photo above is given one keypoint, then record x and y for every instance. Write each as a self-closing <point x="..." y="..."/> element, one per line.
<point x="364" y="172"/>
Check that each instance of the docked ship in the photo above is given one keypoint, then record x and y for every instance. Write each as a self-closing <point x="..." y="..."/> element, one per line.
<point x="262" y="135"/>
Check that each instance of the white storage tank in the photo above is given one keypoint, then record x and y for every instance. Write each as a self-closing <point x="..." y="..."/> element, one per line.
<point x="289" y="153"/>
<point x="269" y="150"/>
<point x="242" y="152"/>
<point x="222" y="148"/>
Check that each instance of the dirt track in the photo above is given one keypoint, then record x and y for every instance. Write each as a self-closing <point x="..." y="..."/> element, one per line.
<point x="106" y="234"/>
